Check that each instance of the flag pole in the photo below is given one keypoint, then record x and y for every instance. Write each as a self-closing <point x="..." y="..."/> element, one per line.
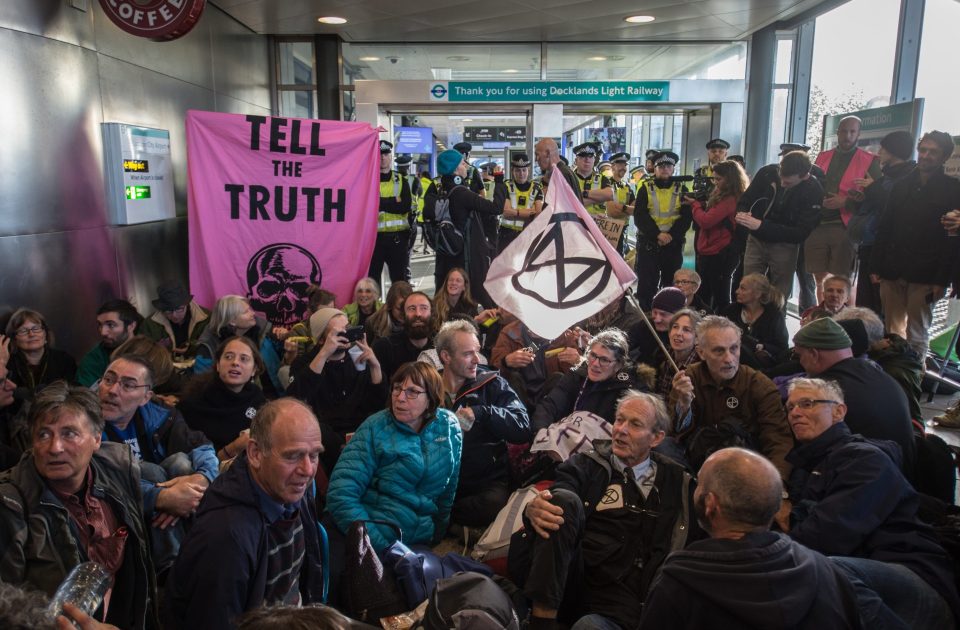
<point x="653" y="331"/>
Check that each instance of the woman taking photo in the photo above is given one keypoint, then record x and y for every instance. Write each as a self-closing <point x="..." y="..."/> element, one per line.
<point x="402" y="464"/>
<point x="452" y="299"/>
<point x="30" y="359"/>
<point x="683" y="348"/>
<point x="222" y="403"/>
<point x="758" y="312"/>
<point x="718" y="255"/>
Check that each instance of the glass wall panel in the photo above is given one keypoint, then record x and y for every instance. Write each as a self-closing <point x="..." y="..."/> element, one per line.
<point x="295" y="61"/>
<point x="937" y="77"/>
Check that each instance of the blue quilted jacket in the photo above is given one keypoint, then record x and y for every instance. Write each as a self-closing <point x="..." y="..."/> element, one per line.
<point x="387" y="472"/>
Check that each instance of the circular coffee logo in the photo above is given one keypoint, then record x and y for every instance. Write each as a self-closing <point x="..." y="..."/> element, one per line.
<point x="159" y="20"/>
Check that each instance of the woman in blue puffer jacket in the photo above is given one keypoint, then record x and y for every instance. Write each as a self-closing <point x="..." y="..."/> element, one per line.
<point x="402" y="464"/>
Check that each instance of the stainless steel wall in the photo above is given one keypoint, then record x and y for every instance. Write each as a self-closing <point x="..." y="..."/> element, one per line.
<point x="64" y="71"/>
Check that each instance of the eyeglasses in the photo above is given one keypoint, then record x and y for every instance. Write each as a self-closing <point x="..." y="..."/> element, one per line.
<point x="33" y="330"/>
<point x="412" y="393"/>
<point x="684" y="282"/>
<point x="604" y="361"/>
<point x="179" y="309"/>
<point x="126" y="384"/>
<point x="807" y="403"/>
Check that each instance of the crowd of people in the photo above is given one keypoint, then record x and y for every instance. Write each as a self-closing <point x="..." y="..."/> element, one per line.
<point x="700" y="469"/>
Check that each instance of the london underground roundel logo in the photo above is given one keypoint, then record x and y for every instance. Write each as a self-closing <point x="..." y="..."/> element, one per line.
<point x="159" y="20"/>
<point x="438" y="91"/>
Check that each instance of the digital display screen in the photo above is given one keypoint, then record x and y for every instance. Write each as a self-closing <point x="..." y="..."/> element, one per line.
<point x="138" y="192"/>
<point x="413" y="140"/>
<point x="136" y="166"/>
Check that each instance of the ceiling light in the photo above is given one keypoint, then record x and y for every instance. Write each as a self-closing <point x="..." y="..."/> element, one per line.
<point x="639" y="19"/>
<point x="467" y="120"/>
<point x="369" y="58"/>
<point x="511" y="71"/>
<point x="597" y="58"/>
<point x="332" y="20"/>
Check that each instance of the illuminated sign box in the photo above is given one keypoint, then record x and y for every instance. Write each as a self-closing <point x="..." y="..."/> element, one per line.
<point x="139" y="174"/>
<point x="413" y="140"/>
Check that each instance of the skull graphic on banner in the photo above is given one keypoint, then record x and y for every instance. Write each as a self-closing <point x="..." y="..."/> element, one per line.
<point x="278" y="277"/>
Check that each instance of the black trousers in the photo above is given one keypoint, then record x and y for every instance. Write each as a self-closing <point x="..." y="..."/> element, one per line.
<point x="655" y="267"/>
<point x="716" y="273"/>
<point x="392" y="249"/>
<point x="868" y="293"/>
<point x="481" y="508"/>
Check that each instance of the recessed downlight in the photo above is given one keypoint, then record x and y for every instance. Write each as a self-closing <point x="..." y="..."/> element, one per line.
<point x="332" y="19"/>
<point x="639" y="19"/>
<point x="511" y="71"/>
<point x="369" y="58"/>
<point x="597" y="58"/>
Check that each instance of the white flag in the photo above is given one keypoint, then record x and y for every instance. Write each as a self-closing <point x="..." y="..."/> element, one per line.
<point x="560" y="269"/>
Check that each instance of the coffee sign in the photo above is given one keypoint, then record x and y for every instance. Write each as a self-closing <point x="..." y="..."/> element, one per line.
<point x="159" y="20"/>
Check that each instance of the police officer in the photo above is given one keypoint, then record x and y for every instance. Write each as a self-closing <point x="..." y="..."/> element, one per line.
<point x="605" y="168"/>
<point x="595" y="189"/>
<point x="520" y="198"/>
<point x="404" y="162"/>
<point x="393" y="221"/>
<point x="425" y="181"/>
<point x="662" y="219"/>
<point x="716" y="153"/>
<point x="624" y="193"/>
<point x="473" y="180"/>
<point x="649" y="165"/>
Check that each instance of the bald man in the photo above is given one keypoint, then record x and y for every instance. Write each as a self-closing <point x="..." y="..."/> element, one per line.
<point x="744" y="575"/>
<point x="548" y="159"/>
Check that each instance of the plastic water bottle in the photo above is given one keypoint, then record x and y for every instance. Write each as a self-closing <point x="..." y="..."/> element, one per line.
<point x="84" y="587"/>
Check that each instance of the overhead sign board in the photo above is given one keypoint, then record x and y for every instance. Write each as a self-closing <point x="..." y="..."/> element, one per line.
<point x="549" y="91"/>
<point x="876" y="123"/>
<point x="487" y="135"/>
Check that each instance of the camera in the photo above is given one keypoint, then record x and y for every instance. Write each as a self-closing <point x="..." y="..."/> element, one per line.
<point x="352" y="334"/>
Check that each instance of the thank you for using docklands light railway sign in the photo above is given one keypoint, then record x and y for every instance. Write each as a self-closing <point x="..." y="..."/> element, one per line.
<point x="549" y="91"/>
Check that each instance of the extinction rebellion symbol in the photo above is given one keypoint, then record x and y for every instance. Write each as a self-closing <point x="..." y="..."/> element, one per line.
<point x="159" y="20"/>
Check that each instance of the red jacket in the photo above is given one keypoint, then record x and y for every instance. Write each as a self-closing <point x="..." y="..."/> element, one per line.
<point x="716" y="225"/>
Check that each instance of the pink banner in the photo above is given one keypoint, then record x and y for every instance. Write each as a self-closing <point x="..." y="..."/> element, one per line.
<point x="277" y="204"/>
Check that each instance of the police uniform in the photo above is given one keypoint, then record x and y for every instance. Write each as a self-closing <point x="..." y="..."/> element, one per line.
<point x="659" y="209"/>
<point x="649" y="156"/>
<point x="473" y="180"/>
<point x="624" y="193"/>
<point x="521" y="197"/>
<point x="594" y="181"/>
<point x="393" y="225"/>
<point x="705" y="173"/>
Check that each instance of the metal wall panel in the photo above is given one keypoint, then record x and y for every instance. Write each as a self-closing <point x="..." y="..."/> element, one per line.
<point x="239" y="60"/>
<point x="150" y="253"/>
<point x="53" y="19"/>
<point x="51" y="170"/>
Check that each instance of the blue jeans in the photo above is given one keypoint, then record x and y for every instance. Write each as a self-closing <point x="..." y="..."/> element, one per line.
<point x="892" y="596"/>
<point x="165" y="543"/>
<point x="595" y="622"/>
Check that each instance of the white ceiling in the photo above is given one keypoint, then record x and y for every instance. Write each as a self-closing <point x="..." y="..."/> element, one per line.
<point x="514" y="20"/>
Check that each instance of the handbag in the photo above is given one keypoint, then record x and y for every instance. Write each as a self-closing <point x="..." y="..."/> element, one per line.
<point x="369" y="588"/>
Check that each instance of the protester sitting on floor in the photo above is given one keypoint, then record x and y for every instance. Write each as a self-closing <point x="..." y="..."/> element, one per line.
<point x="623" y="314"/>
<point x="875" y="406"/>
<point x="388" y="319"/>
<point x="233" y="315"/>
<point x="300" y="341"/>
<point x="592" y="543"/>
<point x="666" y="302"/>
<point x="178" y="321"/>
<point x="340" y="389"/>
<point x="366" y="301"/>
<point x="836" y="294"/>
<point x="168" y="382"/>
<point x="604" y="374"/>
<point x="453" y="300"/>
<point x="746" y="576"/>
<point x="758" y="312"/>
<point x="402" y="347"/>
<point x="490" y="415"/>
<point x="116" y="322"/>
<point x="401" y="466"/>
<point x="688" y="281"/>
<point x="683" y="348"/>
<point x="221" y="404"/>
<point x="852" y="503"/>
<point x="29" y="354"/>
<point x="254" y="540"/>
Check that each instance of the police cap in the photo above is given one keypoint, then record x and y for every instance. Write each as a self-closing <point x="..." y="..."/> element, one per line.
<point x="620" y="157"/>
<point x="718" y="143"/>
<point x="520" y="160"/>
<point x="385" y="147"/>
<point x="787" y="147"/>
<point x="666" y="157"/>
<point x="463" y="147"/>
<point x="403" y="159"/>
<point x="587" y="149"/>
<point x="651" y="154"/>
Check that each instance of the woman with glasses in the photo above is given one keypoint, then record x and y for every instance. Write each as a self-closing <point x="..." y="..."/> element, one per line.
<point x="595" y="385"/>
<point x="27" y="350"/>
<point x="717" y="250"/>
<point x="222" y="403"/>
<point x="402" y="464"/>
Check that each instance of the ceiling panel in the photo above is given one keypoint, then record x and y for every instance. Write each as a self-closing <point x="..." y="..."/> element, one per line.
<point x="514" y="20"/>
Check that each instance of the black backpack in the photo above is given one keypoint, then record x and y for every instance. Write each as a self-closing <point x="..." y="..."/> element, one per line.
<point x="441" y="233"/>
<point x="469" y="601"/>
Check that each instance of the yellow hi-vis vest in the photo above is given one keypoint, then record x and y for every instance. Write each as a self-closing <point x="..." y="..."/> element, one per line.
<point x="520" y="200"/>
<point x="663" y="204"/>
<point x="488" y="189"/>
<point x="591" y="184"/>
<point x="622" y="192"/>
<point x="388" y="221"/>
<point x="424" y="185"/>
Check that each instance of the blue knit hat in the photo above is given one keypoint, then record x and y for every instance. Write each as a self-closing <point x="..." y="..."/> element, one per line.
<point x="448" y="161"/>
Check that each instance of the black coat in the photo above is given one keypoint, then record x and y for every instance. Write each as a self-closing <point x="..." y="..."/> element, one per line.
<point x="573" y="393"/>
<point x="220" y="413"/>
<point x="788" y="216"/>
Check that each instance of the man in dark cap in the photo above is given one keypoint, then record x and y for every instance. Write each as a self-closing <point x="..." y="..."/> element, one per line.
<point x="915" y="255"/>
<point x="876" y="406"/>
<point x="828" y="249"/>
<point x="393" y="221"/>
<point x="896" y="150"/>
<point x="662" y="219"/>
<point x="594" y="188"/>
<point x="472" y="180"/>
<point x="520" y="198"/>
<point x="650" y="162"/>
<point x="178" y="321"/>
<point x="716" y="153"/>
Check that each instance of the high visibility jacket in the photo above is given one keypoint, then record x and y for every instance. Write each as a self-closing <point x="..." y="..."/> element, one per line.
<point x="520" y="200"/>
<point x="424" y="185"/>
<point x="857" y="169"/>
<point x="664" y="204"/>
<point x="592" y="183"/>
<point x="389" y="221"/>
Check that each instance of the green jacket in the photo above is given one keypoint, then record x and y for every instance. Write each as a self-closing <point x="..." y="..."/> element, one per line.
<point x="38" y="544"/>
<point x="352" y="311"/>
<point x="158" y="328"/>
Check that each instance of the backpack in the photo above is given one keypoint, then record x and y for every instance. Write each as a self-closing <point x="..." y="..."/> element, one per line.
<point x="469" y="601"/>
<point x="935" y="471"/>
<point x="443" y="236"/>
